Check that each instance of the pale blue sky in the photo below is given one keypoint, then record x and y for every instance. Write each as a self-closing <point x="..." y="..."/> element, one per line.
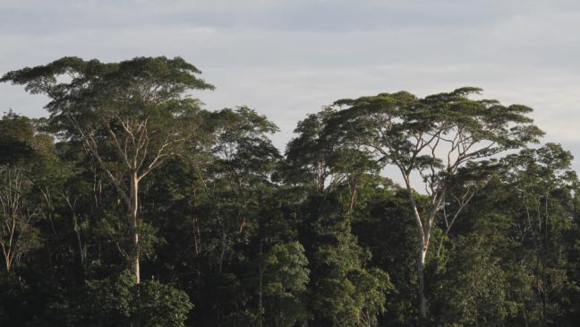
<point x="289" y="58"/>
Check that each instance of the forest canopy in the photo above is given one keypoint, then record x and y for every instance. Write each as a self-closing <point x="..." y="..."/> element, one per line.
<point x="133" y="205"/>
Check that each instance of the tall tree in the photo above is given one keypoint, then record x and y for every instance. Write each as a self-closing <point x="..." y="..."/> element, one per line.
<point x="330" y="172"/>
<point x="433" y="138"/>
<point x="127" y="115"/>
<point x="543" y="188"/>
<point x="22" y="148"/>
<point x="17" y="214"/>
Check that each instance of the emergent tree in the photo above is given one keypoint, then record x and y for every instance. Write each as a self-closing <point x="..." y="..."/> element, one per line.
<point x="433" y="138"/>
<point x="127" y="115"/>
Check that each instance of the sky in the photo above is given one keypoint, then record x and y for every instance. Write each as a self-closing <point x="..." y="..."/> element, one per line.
<point x="289" y="58"/>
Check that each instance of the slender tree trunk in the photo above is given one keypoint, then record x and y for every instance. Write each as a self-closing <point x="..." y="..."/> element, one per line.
<point x="134" y="216"/>
<point x="7" y="249"/>
<point x="421" y="261"/>
<point x="353" y="193"/>
<point x="423" y="237"/>
<point x="8" y="262"/>
<point x="223" y="252"/>
<point x="422" y="255"/>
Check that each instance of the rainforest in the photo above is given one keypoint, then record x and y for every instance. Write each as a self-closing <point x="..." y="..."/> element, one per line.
<point x="133" y="204"/>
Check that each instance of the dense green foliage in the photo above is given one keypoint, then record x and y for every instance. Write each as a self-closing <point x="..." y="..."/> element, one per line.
<point x="226" y="231"/>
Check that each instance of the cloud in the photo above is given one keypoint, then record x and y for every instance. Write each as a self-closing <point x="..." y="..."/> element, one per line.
<point x="299" y="15"/>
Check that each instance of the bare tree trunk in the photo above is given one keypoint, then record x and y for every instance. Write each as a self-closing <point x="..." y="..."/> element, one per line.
<point x="134" y="216"/>
<point x="353" y="186"/>
<point x="421" y="275"/>
<point x="423" y="237"/>
<point x="7" y="249"/>
<point x="7" y="259"/>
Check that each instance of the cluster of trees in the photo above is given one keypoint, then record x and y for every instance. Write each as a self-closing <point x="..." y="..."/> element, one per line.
<point x="131" y="205"/>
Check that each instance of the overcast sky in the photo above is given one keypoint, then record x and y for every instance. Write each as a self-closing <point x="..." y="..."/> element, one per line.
<point x="289" y="58"/>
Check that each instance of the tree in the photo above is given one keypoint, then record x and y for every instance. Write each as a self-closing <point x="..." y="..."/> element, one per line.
<point x="392" y="241"/>
<point x="330" y="172"/>
<point x="17" y="214"/>
<point x="506" y="265"/>
<point x="127" y="115"/>
<point x="244" y="161"/>
<point x="284" y="285"/>
<point x="232" y="201"/>
<point x="119" y="301"/>
<point x="16" y="139"/>
<point x="343" y="289"/>
<point x="318" y="156"/>
<point x="543" y="189"/>
<point x="433" y="137"/>
<point x="309" y="156"/>
<point x="21" y="149"/>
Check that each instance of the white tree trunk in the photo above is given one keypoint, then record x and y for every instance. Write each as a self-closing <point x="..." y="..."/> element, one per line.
<point x="134" y="216"/>
<point x="422" y="254"/>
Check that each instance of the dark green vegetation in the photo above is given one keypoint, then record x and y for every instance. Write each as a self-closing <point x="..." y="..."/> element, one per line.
<point x="131" y="205"/>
